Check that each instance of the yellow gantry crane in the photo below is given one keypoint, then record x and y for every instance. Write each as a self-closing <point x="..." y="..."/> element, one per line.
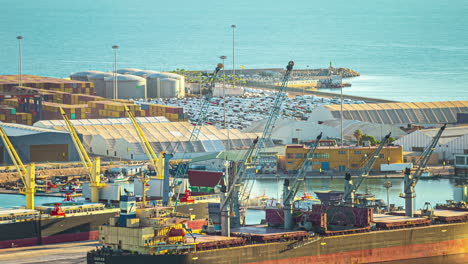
<point x="157" y="161"/>
<point x="93" y="167"/>
<point x="27" y="174"/>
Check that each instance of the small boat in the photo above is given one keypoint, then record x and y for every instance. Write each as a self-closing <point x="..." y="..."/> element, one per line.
<point x="120" y="178"/>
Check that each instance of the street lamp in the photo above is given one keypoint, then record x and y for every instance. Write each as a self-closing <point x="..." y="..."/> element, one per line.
<point x="116" y="92"/>
<point x="233" y="65"/>
<point x="20" y="63"/>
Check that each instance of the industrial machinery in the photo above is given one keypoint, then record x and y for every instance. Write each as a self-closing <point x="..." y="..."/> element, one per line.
<point x="412" y="179"/>
<point x="201" y="120"/>
<point x="27" y="175"/>
<point x="266" y="134"/>
<point x="159" y="163"/>
<point x="231" y="197"/>
<point x="289" y="192"/>
<point x="93" y="167"/>
<point x="350" y="187"/>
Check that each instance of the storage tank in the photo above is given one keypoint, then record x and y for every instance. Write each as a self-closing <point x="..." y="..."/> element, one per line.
<point x="99" y="83"/>
<point x="129" y="86"/>
<point x="127" y="70"/>
<point x="153" y="83"/>
<point x="83" y="75"/>
<point x="143" y="73"/>
<point x="169" y="87"/>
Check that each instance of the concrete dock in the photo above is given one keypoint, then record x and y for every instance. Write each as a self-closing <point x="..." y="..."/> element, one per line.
<point x="65" y="253"/>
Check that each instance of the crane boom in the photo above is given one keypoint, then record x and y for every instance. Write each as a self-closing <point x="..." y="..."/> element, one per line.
<point x="156" y="162"/>
<point x="93" y="167"/>
<point x="266" y="134"/>
<point x="27" y="175"/>
<point x="350" y="188"/>
<point x="290" y="193"/>
<point x="201" y="120"/>
<point x="411" y="180"/>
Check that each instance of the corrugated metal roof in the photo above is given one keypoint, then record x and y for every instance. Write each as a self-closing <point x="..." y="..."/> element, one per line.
<point x="400" y="113"/>
<point x="15" y="130"/>
<point x="102" y="121"/>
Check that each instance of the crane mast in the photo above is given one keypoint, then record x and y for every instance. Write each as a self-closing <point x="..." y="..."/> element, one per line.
<point x="27" y="174"/>
<point x="289" y="192"/>
<point x="240" y="191"/>
<point x="266" y="135"/>
<point x="411" y="180"/>
<point x="158" y="163"/>
<point x="350" y="187"/>
<point x="201" y="120"/>
<point x="93" y="167"/>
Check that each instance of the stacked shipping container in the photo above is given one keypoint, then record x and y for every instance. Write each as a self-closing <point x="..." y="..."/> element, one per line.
<point x="172" y="113"/>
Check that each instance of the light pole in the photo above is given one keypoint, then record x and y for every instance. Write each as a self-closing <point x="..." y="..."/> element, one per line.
<point x="20" y="63"/>
<point x="233" y="65"/>
<point x="224" y="91"/>
<point x="116" y="92"/>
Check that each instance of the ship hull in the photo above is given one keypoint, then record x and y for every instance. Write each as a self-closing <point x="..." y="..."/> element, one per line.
<point x="52" y="230"/>
<point x="375" y="246"/>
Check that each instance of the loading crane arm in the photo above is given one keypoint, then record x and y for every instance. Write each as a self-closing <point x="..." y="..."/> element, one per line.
<point x="27" y="174"/>
<point x="200" y="121"/>
<point x="93" y="167"/>
<point x="158" y="163"/>
<point x="350" y="187"/>
<point x="411" y="181"/>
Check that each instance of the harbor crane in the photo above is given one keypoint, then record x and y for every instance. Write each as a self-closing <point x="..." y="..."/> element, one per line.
<point x="159" y="163"/>
<point x="350" y="187"/>
<point x="289" y="192"/>
<point x="243" y="187"/>
<point x="27" y="174"/>
<point x="412" y="179"/>
<point x="93" y="167"/>
<point x="200" y="121"/>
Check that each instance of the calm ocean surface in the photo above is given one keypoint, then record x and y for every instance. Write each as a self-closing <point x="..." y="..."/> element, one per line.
<point x="413" y="50"/>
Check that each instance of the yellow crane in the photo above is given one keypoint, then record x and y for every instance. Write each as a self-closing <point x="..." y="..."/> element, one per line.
<point x="157" y="162"/>
<point x="27" y="175"/>
<point x="93" y="167"/>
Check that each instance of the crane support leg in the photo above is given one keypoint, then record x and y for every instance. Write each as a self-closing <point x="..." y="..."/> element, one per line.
<point x="409" y="194"/>
<point x="95" y="180"/>
<point x="225" y="221"/>
<point x="287" y="208"/>
<point x="30" y="186"/>
<point x="166" y="187"/>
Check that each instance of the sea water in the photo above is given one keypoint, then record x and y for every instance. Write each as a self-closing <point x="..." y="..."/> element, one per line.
<point x="412" y="50"/>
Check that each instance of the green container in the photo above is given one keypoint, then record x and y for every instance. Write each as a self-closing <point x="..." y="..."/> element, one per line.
<point x="13" y="111"/>
<point x="72" y="116"/>
<point x="194" y="188"/>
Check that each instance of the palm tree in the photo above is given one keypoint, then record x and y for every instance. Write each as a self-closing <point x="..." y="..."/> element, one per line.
<point x="358" y="135"/>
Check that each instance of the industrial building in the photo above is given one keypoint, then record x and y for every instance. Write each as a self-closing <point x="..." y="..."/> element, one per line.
<point x="454" y="140"/>
<point x="118" y="139"/>
<point x="130" y="83"/>
<point x="339" y="158"/>
<point x="35" y="144"/>
<point x="394" y="113"/>
<point x="295" y="131"/>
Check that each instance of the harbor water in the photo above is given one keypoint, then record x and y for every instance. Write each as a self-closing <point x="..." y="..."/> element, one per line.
<point x="414" y="51"/>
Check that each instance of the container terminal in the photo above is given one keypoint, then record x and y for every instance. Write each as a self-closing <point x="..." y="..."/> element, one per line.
<point x="112" y="117"/>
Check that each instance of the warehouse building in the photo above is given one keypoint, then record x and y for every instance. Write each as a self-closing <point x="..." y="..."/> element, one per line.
<point x="339" y="158"/>
<point x="424" y="113"/>
<point x="454" y="140"/>
<point x="294" y="131"/>
<point x="117" y="138"/>
<point x="34" y="144"/>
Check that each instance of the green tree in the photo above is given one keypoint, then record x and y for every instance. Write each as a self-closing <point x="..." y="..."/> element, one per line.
<point x="358" y="135"/>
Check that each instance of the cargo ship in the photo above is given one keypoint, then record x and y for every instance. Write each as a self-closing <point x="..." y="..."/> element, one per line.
<point x="330" y="234"/>
<point x="77" y="221"/>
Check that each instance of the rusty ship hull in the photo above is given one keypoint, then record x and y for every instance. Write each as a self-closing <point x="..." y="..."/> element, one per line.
<point x="368" y="247"/>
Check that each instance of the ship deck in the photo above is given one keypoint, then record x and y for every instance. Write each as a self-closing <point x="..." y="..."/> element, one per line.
<point x="441" y="215"/>
<point x="389" y="221"/>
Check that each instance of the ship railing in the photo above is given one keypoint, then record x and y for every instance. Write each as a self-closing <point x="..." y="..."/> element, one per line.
<point x="206" y="197"/>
